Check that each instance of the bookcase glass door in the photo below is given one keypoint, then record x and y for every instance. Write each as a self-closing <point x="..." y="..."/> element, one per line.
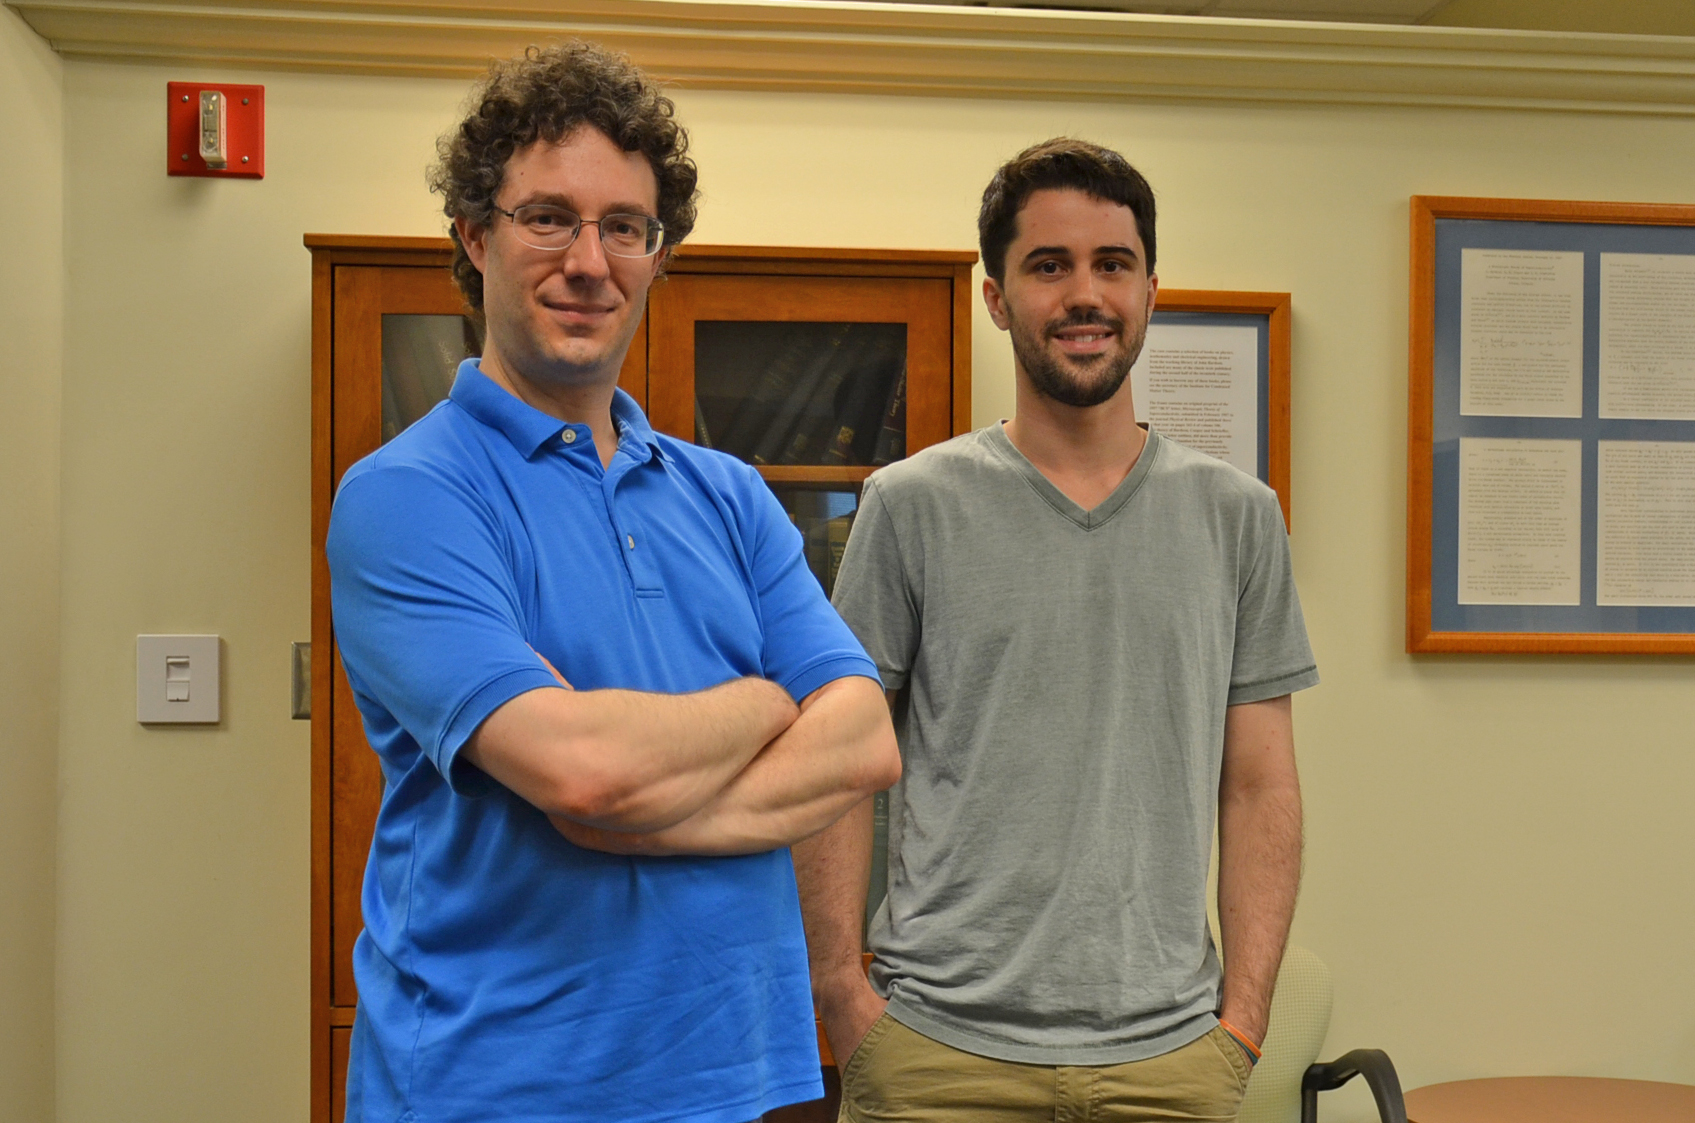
<point x="801" y="392"/>
<point x="421" y="353"/>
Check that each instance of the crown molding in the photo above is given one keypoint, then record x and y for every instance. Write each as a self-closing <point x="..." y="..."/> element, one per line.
<point x="892" y="48"/>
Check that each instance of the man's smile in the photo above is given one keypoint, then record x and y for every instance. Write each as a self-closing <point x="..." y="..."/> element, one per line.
<point x="1084" y="339"/>
<point x="577" y="312"/>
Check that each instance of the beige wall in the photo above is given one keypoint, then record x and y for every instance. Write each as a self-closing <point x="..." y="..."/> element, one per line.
<point x="31" y="330"/>
<point x="1498" y="865"/>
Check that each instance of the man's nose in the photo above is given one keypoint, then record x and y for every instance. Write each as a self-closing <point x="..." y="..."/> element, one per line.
<point x="1084" y="291"/>
<point x="586" y="257"/>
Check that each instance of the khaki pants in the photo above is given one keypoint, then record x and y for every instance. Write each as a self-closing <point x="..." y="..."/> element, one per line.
<point x="899" y="1074"/>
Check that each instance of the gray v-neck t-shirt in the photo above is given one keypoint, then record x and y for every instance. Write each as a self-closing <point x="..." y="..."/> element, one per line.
<point x="1066" y="674"/>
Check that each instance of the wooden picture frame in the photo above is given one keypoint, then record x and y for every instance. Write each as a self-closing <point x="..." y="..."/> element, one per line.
<point x="1455" y="427"/>
<point x="1269" y="314"/>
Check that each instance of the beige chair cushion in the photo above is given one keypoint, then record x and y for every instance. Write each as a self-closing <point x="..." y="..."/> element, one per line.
<point x="1300" y="1017"/>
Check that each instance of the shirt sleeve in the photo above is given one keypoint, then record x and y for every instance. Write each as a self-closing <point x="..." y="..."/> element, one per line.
<point x="806" y="645"/>
<point x="427" y="614"/>
<point x="1272" y="657"/>
<point x="874" y="593"/>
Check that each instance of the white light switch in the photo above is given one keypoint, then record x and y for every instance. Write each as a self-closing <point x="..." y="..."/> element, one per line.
<point x="176" y="679"/>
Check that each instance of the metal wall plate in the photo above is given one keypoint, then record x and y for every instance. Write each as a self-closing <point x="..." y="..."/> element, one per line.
<point x="300" y="681"/>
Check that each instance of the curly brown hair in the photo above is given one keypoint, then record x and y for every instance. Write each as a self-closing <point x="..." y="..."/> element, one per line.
<point x="1063" y="162"/>
<point x="546" y="95"/>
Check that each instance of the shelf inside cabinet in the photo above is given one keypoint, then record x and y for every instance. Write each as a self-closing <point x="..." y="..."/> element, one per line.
<point x="825" y="476"/>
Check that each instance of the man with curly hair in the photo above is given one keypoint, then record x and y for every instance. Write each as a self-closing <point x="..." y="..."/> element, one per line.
<point x="605" y="689"/>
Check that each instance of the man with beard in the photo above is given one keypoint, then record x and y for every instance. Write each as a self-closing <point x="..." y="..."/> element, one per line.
<point x="1090" y="635"/>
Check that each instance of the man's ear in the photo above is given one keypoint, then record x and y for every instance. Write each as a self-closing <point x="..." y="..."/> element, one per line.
<point x="995" y="301"/>
<point x="1153" y="292"/>
<point x="474" y="237"/>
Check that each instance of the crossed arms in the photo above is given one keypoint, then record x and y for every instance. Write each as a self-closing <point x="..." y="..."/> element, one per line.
<point x="736" y="769"/>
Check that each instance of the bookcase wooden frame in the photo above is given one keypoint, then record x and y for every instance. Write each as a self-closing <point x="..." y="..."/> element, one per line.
<point x="1421" y="357"/>
<point x="355" y="280"/>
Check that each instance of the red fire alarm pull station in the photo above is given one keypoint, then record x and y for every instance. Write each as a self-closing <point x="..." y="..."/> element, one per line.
<point x="215" y="130"/>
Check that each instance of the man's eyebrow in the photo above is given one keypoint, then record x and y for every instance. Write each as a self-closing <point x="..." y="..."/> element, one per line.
<point x="1119" y="250"/>
<point x="1047" y="251"/>
<point x="554" y="199"/>
<point x="548" y="198"/>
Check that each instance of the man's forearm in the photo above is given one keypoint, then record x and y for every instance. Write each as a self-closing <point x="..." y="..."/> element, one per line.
<point x="833" y="871"/>
<point x="833" y="868"/>
<point x="839" y="750"/>
<point x="1259" y="859"/>
<point x="625" y="760"/>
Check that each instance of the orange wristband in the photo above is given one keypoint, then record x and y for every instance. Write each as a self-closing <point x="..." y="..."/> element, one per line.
<point x="1241" y="1037"/>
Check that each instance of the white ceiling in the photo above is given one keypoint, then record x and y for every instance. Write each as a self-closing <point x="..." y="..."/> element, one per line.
<point x="1340" y="11"/>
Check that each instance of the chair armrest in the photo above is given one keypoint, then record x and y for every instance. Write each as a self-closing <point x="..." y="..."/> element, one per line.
<point x="1379" y="1073"/>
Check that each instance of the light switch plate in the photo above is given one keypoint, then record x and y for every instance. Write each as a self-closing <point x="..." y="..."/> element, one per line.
<point x="176" y="679"/>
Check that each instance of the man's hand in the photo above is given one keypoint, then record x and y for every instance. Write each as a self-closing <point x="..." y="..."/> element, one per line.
<point x="1259" y="857"/>
<point x="849" y="1011"/>
<point x="590" y="838"/>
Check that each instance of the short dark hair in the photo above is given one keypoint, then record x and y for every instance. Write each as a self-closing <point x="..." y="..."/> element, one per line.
<point x="546" y="95"/>
<point x="1062" y="162"/>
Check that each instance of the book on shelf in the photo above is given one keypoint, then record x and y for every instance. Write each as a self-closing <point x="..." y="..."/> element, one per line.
<point x="826" y="542"/>
<point x="891" y="437"/>
<point x="879" y="887"/>
<point x="836" y="538"/>
<point x="701" y="436"/>
<point x="860" y="403"/>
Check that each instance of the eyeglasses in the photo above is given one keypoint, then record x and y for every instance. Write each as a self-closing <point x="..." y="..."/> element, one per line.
<point x="555" y="228"/>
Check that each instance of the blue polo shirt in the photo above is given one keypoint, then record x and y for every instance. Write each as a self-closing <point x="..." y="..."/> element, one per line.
<point x="505" y="974"/>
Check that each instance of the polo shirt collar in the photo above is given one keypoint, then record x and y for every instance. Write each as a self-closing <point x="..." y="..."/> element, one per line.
<point x="633" y="428"/>
<point x="529" y="428"/>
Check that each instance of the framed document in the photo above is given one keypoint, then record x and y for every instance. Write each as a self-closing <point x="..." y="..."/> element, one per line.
<point x="1551" y="427"/>
<point x="1214" y="376"/>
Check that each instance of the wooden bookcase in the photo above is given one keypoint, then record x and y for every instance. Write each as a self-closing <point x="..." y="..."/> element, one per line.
<point x="357" y="281"/>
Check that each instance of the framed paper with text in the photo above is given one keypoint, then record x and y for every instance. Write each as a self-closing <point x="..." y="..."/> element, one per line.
<point x="1551" y="427"/>
<point x="1214" y="375"/>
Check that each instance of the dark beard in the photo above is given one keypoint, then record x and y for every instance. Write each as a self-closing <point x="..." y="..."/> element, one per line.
<point x="1053" y="380"/>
